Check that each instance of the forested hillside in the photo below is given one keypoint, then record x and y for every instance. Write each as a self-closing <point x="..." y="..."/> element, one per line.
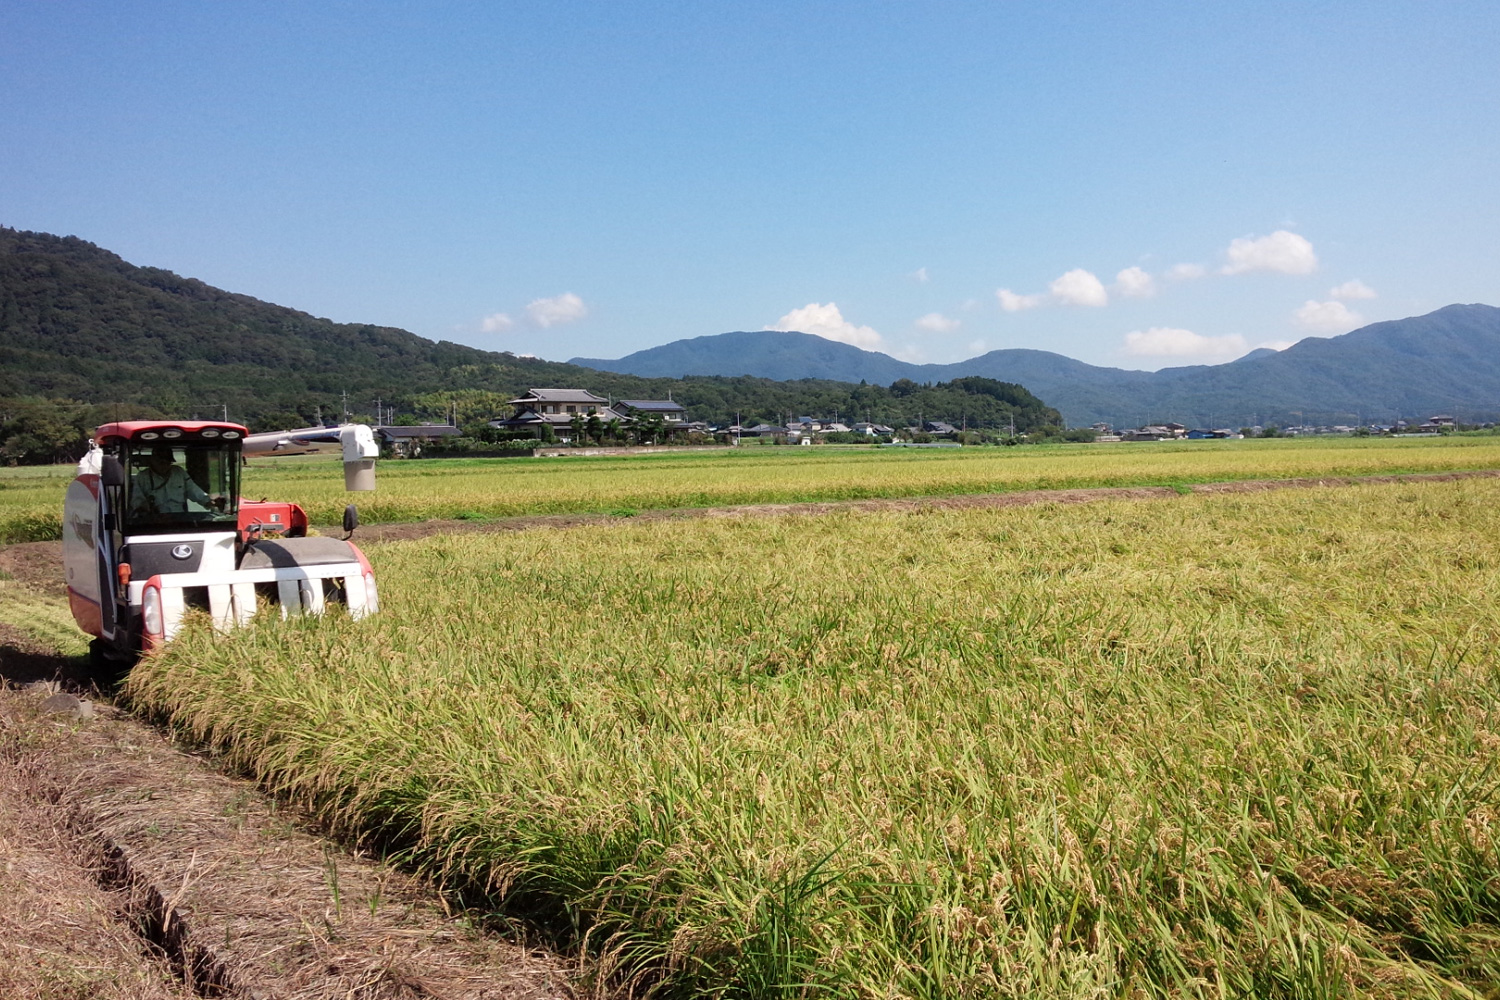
<point x="86" y="336"/>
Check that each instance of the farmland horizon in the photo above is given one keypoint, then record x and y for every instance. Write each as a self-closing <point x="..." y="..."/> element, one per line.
<point x="956" y="703"/>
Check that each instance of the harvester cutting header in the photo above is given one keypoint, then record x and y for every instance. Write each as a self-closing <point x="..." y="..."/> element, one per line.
<point x="154" y="525"/>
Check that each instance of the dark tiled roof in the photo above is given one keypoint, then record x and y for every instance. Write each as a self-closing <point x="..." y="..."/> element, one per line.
<point x="660" y="405"/>
<point x="559" y="396"/>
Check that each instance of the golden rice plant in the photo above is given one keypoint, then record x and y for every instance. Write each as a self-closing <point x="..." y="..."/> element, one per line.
<point x="1240" y="745"/>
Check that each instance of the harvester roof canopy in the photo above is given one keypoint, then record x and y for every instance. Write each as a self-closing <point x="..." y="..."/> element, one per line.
<point x="168" y="430"/>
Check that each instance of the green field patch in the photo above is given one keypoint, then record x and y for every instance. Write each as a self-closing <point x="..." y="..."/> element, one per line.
<point x="493" y="488"/>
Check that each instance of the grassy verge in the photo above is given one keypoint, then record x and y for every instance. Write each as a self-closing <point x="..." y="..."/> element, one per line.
<point x="44" y="617"/>
<point x="1238" y="746"/>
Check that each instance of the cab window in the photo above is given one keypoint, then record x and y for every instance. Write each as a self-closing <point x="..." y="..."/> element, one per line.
<point x="172" y="485"/>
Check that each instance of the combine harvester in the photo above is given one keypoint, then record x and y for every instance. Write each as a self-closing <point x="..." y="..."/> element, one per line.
<point x="154" y="526"/>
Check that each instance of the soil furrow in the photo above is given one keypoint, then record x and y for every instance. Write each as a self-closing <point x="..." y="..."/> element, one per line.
<point x="241" y="900"/>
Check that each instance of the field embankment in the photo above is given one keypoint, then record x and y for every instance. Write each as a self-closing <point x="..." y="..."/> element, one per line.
<point x="479" y="489"/>
<point x="1232" y="745"/>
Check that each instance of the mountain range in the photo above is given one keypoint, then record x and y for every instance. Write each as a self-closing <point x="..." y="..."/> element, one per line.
<point x="87" y="336"/>
<point x="1447" y="361"/>
<point x="79" y="323"/>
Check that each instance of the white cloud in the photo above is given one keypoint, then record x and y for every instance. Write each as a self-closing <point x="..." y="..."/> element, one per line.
<point x="1134" y="283"/>
<point x="560" y="309"/>
<point x="1276" y="345"/>
<point x="827" y="322"/>
<point x="1011" y="302"/>
<point x="1186" y="272"/>
<point x="1075" y="288"/>
<point x="1168" y="342"/>
<point x="919" y="276"/>
<point x="1354" y="289"/>
<point x="1327" y="317"/>
<point x="1079" y="288"/>
<point x="496" y="323"/>
<point x="938" y="323"/>
<point x="1283" y="252"/>
<point x="978" y="347"/>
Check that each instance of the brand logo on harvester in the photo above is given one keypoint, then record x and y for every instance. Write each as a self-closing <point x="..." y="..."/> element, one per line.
<point x="182" y="551"/>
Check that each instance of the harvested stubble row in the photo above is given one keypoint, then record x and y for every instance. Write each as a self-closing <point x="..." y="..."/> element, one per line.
<point x="1235" y="745"/>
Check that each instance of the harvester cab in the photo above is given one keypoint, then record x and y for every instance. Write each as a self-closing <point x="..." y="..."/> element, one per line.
<point x="154" y="526"/>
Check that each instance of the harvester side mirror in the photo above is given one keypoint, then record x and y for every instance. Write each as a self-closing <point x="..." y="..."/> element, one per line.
<point x="351" y="519"/>
<point x="111" y="472"/>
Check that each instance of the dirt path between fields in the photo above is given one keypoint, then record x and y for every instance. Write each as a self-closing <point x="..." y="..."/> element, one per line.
<point x="130" y="869"/>
<point x="972" y="501"/>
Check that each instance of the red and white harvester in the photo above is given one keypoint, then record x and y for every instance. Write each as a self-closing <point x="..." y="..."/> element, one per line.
<point x="154" y="526"/>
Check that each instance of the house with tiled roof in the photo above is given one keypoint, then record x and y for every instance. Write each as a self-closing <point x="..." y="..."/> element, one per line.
<point x="556" y="408"/>
<point x="670" y="412"/>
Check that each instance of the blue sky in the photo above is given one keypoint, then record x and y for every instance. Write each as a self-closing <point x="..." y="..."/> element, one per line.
<point x="1137" y="185"/>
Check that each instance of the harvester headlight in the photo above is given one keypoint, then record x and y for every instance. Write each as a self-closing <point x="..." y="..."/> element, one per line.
<point x="148" y="435"/>
<point x="151" y="611"/>
<point x="209" y="432"/>
<point x="171" y="432"/>
<point x="231" y="435"/>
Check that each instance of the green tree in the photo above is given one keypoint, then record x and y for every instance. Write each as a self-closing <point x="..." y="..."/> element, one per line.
<point x="648" y="428"/>
<point x="41" y="431"/>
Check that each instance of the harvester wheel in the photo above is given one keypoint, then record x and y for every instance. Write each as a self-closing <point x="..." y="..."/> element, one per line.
<point x="106" y="666"/>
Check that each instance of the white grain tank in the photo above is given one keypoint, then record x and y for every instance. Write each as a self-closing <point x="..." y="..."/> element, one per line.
<point x="360" y="452"/>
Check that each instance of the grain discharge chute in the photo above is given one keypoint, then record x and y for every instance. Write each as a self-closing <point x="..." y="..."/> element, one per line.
<point x="153" y="526"/>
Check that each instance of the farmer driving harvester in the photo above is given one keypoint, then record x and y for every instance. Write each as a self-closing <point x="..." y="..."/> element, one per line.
<point x="154" y="527"/>
<point x="162" y="487"/>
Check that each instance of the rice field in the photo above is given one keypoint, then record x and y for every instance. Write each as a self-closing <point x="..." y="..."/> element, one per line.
<point x="1236" y="745"/>
<point x="30" y="499"/>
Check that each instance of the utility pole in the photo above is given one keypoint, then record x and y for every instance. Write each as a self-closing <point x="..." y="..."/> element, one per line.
<point x="345" y="396"/>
